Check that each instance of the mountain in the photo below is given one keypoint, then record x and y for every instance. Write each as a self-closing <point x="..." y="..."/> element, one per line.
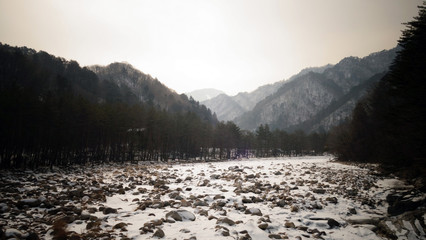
<point x="228" y="108"/>
<point x="327" y="97"/>
<point x="141" y="86"/>
<point x="204" y="94"/>
<point x="44" y="74"/>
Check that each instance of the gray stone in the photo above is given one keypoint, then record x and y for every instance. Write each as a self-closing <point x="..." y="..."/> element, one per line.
<point x="181" y="215"/>
<point x="159" y="234"/>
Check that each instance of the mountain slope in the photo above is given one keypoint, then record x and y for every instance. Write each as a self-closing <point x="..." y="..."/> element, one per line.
<point x="338" y="111"/>
<point x="226" y="108"/>
<point x="233" y="107"/>
<point x="149" y="90"/>
<point x="304" y="97"/>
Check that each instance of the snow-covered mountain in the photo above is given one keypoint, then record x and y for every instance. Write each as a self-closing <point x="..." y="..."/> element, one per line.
<point x="315" y="101"/>
<point x="204" y="94"/>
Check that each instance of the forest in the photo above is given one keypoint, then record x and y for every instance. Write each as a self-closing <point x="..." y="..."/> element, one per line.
<point x="55" y="113"/>
<point x="388" y="125"/>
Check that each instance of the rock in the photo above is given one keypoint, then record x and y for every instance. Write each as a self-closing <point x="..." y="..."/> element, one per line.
<point x="302" y="228"/>
<point x="175" y="195"/>
<point x="204" y="183"/>
<point x="316" y="206"/>
<point x="4" y="208"/>
<point x="203" y="212"/>
<point x="159" y="234"/>
<point x="275" y="236"/>
<point x="294" y="208"/>
<point x="226" y="221"/>
<point x="245" y="237"/>
<point x="352" y="211"/>
<point x="282" y="203"/>
<point x="240" y="207"/>
<point x="170" y="220"/>
<point x="120" y="225"/>
<point x="93" y="225"/>
<point x="68" y="218"/>
<point x="184" y="230"/>
<point x="363" y="220"/>
<point x="200" y="204"/>
<point x="401" y="202"/>
<point x="13" y="233"/>
<point x="215" y="176"/>
<point x="85" y="216"/>
<point x="351" y="192"/>
<point x="221" y="203"/>
<point x="289" y="225"/>
<point x="384" y="229"/>
<point x="254" y="211"/>
<point x="32" y="236"/>
<point x="257" y="199"/>
<point x="331" y="200"/>
<point x="333" y="223"/>
<point x="218" y="196"/>
<point x="92" y="210"/>
<point x="225" y="233"/>
<point x="250" y="176"/>
<point x="181" y="215"/>
<point x="319" y="190"/>
<point x="109" y="210"/>
<point x="30" y="202"/>
<point x="263" y="226"/>
<point x="157" y="222"/>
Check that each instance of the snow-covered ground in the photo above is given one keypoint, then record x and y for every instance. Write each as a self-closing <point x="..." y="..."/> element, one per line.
<point x="285" y="198"/>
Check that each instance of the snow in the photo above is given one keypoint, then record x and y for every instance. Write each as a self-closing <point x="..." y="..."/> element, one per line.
<point x="248" y="193"/>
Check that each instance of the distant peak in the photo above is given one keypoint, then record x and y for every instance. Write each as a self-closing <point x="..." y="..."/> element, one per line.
<point x="204" y="94"/>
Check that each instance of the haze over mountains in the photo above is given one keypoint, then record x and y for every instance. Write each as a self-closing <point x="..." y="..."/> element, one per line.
<point x="314" y="99"/>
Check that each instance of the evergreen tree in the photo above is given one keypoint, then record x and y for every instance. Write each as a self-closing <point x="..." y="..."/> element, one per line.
<point x="389" y="125"/>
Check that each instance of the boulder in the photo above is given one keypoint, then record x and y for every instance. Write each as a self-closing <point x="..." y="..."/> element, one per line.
<point x="401" y="202"/>
<point x="254" y="211"/>
<point x="333" y="223"/>
<point x="226" y="220"/>
<point x="109" y="210"/>
<point x="263" y="226"/>
<point x="289" y="225"/>
<point x="319" y="190"/>
<point x="159" y="234"/>
<point x="181" y="215"/>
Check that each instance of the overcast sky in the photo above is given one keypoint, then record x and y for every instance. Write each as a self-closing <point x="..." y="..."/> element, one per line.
<point x="231" y="45"/>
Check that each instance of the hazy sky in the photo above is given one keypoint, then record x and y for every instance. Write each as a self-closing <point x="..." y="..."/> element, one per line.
<point x="231" y="45"/>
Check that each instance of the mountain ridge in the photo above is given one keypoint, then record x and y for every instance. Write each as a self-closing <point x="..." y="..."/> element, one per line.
<point x="305" y="96"/>
<point x="248" y="100"/>
<point x="204" y="94"/>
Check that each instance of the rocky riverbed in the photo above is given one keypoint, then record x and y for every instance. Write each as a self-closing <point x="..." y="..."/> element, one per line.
<point x="286" y="198"/>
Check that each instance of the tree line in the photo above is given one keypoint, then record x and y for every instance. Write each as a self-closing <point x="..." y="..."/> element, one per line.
<point x="61" y="129"/>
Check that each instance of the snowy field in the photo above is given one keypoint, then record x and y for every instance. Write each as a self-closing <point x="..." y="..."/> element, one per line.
<point x="286" y="198"/>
